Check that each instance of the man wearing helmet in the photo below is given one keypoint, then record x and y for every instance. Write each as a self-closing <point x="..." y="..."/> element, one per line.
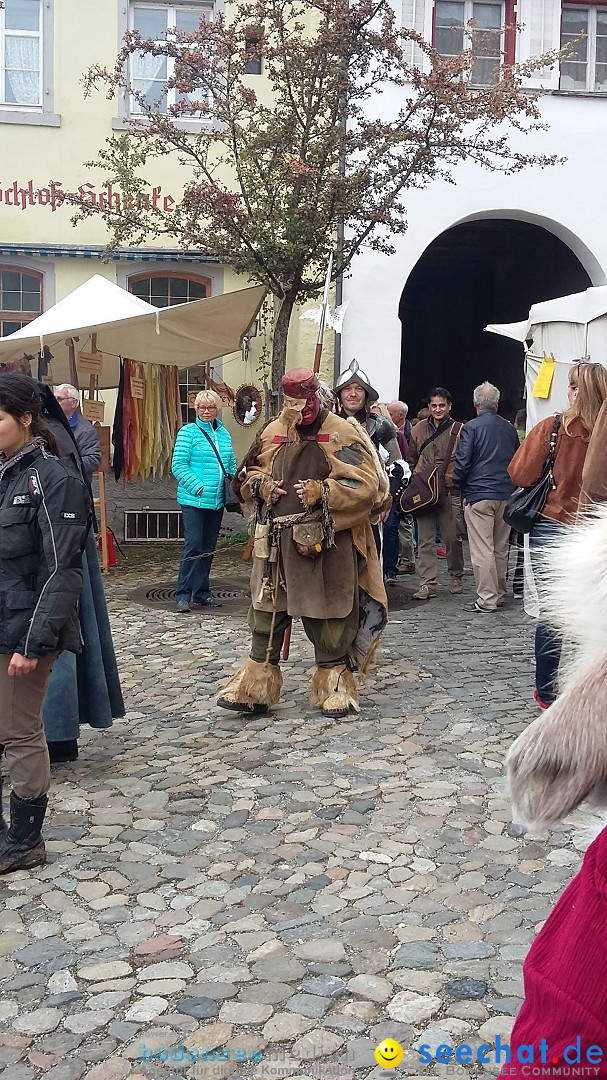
<point x="355" y="396"/>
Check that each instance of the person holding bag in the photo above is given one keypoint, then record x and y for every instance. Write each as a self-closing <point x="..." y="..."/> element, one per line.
<point x="586" y="392"/>
<point x="203" y="463"/>
<point x="432" y="452"/>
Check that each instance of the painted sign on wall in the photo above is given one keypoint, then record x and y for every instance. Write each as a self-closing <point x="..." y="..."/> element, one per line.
<point x="25" y="194"/>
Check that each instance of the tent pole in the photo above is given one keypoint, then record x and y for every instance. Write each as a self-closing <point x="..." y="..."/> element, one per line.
<point x="100" y="501"/>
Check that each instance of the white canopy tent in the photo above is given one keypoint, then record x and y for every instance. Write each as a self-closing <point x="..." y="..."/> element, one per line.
<point x="184" y="335"/>
<point x="570" y="328"/>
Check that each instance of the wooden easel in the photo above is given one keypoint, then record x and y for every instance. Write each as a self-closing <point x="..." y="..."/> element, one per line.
<point x="99" y="502"/>
<point x="100" y="506"/>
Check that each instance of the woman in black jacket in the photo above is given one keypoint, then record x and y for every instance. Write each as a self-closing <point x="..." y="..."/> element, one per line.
<point x="44" y="514"/>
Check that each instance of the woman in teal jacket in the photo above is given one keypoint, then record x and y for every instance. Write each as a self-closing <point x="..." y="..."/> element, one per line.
<point x="200" y="495"/>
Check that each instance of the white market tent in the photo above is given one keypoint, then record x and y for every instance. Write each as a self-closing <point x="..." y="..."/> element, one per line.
<point x="570" y="328"/>
<point x="184" y="335"/>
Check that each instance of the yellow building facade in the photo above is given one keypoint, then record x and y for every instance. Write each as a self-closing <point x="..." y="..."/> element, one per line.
<point x="49" y="130"/>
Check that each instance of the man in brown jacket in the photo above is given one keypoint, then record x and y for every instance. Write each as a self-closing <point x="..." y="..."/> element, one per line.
<point x="315" y="484"/>
<point x="427" y="457"/>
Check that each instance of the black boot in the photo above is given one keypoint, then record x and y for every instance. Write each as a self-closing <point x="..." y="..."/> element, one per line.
<point x="3" y="825"/>
<point x="23" y="847"/>
<point x="66" y="750"/>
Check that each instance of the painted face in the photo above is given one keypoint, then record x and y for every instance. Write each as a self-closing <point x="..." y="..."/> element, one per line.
<point x="300" y="410"/>
<point x="439" y="408"/>
<point x="352" y="398"/>
<point x="311" y="409"/>
<point x="13" y="433"/>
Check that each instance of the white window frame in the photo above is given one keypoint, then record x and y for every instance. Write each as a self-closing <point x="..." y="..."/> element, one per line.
<point x="199" y="6"/>
<point x="467" y="30"/>
<point x="43" y="113"/>
<point x="591" y="24"/>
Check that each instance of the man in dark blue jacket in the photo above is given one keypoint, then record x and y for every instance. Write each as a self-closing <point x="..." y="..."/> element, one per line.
<point x="486" y="447"/>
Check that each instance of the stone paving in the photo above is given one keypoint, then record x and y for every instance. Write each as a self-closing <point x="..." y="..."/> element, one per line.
<point x="286" y="891"/>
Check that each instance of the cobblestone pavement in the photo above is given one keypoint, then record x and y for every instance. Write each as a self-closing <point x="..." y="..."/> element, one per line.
<point x="287" y="885"/>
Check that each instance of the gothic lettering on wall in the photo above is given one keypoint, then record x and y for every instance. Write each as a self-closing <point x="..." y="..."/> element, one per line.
<point x="24" y="194"/>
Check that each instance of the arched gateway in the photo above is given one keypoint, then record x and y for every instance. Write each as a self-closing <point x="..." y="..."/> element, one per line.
<point x="488" y="270"/>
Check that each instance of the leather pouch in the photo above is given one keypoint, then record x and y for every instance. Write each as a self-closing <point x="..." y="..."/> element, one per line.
<point x="308" y="538"/>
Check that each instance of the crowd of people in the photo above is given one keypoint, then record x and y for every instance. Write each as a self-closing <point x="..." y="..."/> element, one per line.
<point x="343" y="494"/>
<point x="470" y="469"/>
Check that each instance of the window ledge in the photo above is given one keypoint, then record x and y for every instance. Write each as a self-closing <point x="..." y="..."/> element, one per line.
<point x="121" y="123"/>
<point x="25" y="116"/>
<point x="580" y="93"/>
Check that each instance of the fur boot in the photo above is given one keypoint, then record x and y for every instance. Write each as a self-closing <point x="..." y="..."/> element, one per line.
<point x="253" y="688"/>
<point x="334" y="690"/>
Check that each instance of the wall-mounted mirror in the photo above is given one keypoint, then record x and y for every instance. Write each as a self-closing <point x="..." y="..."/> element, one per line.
<point x="248" y="405"/>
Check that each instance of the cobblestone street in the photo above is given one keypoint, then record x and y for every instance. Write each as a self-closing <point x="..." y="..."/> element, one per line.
<point x="285" y="884"/>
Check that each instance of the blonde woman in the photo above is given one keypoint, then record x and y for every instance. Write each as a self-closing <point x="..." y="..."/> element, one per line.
<point x="200" y="493"/>
<point x="586" y="392"/>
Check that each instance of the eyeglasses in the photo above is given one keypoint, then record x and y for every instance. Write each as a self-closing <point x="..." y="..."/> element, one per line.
<point x="207" y="408"/>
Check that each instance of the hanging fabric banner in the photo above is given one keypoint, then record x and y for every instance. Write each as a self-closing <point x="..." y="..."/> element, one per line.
<point x="148" y="417"/>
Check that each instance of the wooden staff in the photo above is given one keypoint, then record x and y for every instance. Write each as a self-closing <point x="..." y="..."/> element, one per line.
<point x="317" y="359"/>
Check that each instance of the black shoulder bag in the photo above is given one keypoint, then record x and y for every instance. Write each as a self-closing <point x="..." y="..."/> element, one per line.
<point x="526" y="504"/>
<point x="230" y="500"/>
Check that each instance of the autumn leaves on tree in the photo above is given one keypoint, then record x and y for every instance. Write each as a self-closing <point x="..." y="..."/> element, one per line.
<point x="272" y="165"/>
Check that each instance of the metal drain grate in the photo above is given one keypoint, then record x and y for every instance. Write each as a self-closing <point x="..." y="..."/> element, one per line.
<point x="235" y="599"/>
<point x="166" y="595"/>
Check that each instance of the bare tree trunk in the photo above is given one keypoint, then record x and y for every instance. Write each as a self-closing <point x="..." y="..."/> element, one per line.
<point x="279" y="347"/>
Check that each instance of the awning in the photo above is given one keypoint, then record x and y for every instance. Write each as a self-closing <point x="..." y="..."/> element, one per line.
<point x="97" y="251"/>
<point x="124" y="325"/>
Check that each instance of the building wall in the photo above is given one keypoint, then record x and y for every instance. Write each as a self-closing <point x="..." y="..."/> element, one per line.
<point x="567" y="199"/>
<point x="44" y="153"/>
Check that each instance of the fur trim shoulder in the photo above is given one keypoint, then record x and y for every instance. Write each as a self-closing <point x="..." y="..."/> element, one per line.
<point x="382" y="476"/>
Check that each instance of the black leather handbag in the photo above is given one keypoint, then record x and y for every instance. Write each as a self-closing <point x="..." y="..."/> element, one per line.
<point x="526" y="504"/>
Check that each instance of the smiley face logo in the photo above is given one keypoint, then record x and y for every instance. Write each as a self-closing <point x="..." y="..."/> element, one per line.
<point x="389" y="1053"/>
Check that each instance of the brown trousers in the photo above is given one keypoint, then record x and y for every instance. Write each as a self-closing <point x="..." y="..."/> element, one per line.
<point x="21" y="731"/>
<point x="488" y="536"/>
<point x="446" y="517"/>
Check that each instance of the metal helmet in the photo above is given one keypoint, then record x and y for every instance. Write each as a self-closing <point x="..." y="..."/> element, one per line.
<point x="353" y="374"/>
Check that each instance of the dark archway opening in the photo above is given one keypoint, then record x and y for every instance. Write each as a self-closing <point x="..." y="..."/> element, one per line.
<point x="480" y="272"/>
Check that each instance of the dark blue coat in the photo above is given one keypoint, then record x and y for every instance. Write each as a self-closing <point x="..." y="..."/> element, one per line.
<point x="486" y="447"/>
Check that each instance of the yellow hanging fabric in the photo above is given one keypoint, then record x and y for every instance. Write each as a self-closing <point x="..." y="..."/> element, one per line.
<point x="543" y="384"/>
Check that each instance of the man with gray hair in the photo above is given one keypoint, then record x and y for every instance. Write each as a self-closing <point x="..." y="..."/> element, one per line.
<point x="83" y="431"/>
<point x="398" y="414"/>
<point x="486" y="447"/>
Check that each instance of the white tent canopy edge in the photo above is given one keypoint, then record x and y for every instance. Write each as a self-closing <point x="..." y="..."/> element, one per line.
<point x="569" y="328"/>
<point x="184" y="335"/>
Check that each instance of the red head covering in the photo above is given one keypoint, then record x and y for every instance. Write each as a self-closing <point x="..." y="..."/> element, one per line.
<point x="299" y="383"/>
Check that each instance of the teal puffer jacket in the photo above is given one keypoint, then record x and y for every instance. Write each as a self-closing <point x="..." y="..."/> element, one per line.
<point x="195" y="466"/>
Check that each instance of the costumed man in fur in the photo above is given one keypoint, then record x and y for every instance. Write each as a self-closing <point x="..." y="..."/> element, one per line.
<point x="559" y="761"/>
<point x="315" y="482"/>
